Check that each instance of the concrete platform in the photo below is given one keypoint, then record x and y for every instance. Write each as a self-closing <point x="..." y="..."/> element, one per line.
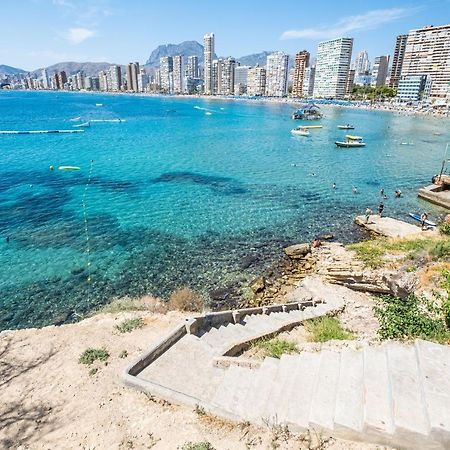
<point x="436" y="195"/>
<point x="389" y="227"/>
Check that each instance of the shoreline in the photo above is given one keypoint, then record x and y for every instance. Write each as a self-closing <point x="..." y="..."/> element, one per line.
<point x="399" y="108"/>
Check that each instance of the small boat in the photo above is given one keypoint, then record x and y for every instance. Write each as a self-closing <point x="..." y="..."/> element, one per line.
<point x="75" y="119"/>
<point x="99" y="104"/>
<point x="351" y="141"/>
<point x="300" y="131"/>
<point x="307" y="112"/>
<point x="416" y="216"/>
<point x="346" y="127"/>
<point x="84" y="125"/>
<point x="308" y="127"/>
<point x="69" y="168"/>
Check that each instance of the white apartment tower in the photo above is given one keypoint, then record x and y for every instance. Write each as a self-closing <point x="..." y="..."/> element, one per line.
<point x="308" y="81"/>
<point x="361" y="64"/>
<point x="208" y="55"/>
<point x="45" y="81"/>
<point x="177" y="74"/>
<point x="428" y="53"/>
<point x="241" y="79"/>
<point x="115" y="75"/>
<point x="192" y="67"/>
<point x="333" y="63"/>
<point x="256" y="81"/>
<point x="226" y="79"/>
<point x="165" y="70"/>
<point x="277" y="74"/>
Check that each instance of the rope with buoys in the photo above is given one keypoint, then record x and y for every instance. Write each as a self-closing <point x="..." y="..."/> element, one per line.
<point x="86" y="228"/>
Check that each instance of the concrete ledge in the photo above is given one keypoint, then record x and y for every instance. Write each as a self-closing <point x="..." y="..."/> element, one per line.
<point x="223" y="362"/>
<point x="435" y="194"/>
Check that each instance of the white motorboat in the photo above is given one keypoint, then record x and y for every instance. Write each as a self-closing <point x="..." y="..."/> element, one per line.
<point x="300" y="131"/>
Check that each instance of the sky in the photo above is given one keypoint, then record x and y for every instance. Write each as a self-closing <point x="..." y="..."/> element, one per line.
<point x="38" y="33"/>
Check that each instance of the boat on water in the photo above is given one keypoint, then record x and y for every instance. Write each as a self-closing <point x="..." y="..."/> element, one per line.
<point x="351" y="141"/>
<point x="307" y="112"/>
<point x="300" y="131"/>
<point x="417" y="217"/>
<point x="99" y="104"/>
<point x="68" y="168"/>
<point x="75" y="119"/>
<point x="83" y="125"/>
<point x="311" y="127"/>
<point x="346" y="127"/>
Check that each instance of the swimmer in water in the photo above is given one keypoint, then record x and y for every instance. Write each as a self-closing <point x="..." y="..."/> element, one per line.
<point x="355" y="190"/>
<point x="334" y="185"/>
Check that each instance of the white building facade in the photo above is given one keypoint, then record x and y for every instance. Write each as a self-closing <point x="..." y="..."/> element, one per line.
<point x="277" y="74"/>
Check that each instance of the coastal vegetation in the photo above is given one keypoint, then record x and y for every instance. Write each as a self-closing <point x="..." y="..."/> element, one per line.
<point x="90" y="355"/>
<point x="277" y="347"/>
<point x="128" y="325"/>
<point x="197" y="446"/>
<point x="327" y="328"/>
<point x="372" y="93"/>
<point x="185" y="299"/>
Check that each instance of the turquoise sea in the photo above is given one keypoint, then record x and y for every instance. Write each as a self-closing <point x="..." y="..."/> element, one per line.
<point x="182" y="192"/>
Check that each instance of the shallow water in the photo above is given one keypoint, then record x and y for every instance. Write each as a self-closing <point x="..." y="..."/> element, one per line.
<point x="173" y="196"/>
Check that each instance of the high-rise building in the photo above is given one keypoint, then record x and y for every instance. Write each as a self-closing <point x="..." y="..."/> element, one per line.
<point x="192" y="67"/>
<point x="361" y="65"/>
<point x="177" y="74"/>
<point x="277" y="74"/>
<point x="350" y="81"/>
<point x="208" y="55"/>
<point x="45" y="81"/>
<point x="165" y="70"/>
<point x="397" y="60"/>
<point x="225" y="81"/>
<point x="301" y="63"/>
<point x="62" y="79"/>
<point x="308" y="81"/>
<point x="132" y="77"/>
<point x="380" y="70"/>
<point x="80" y="80"/>
<point x="115" y="76"/>
<point x="333" y="63"/>
<point x="241" y="79"/>
<point x="103" y="80"/>
<point x="414" y="87"/>
<point x="256" y="81"/>
<point x="428" y="53"/>
<point x="143" y="80"/>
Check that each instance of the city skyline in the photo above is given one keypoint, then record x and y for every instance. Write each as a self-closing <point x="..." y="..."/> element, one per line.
<point x="103" y="30"/>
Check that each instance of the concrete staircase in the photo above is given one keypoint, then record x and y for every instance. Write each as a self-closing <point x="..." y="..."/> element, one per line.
<point x="393" y="394"/>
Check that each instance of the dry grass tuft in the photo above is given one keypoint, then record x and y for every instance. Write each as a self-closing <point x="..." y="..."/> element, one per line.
<point x="185" y="299"/>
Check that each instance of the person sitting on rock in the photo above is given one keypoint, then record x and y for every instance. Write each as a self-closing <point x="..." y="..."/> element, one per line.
<point x="316" y="243"/>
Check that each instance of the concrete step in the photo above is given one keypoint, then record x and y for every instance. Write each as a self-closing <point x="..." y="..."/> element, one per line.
<point x="191" y="357"/>
<point x="349" y="410"/>
<point x="378" y="417"/>
<point x="229" y="395"/>
<point x="257" y="396"/>
<point x="409" y="413"/>
<point x="434" y="369"/>
<point x="323" y="402"/>
<point x="300" y="393"/>
<point x="275" y="409"/>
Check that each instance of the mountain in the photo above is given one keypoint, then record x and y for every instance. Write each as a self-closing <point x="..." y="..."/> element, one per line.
<point x="186" y="48"/>
<point x="254" y="59"/>
<point x="70" y="67"/>
<point x="8" y="70"/>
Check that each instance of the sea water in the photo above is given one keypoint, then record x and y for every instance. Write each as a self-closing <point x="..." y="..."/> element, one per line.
<point x="182" y="192"/>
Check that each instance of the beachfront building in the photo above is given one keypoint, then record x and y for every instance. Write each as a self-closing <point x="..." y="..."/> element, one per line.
<point x="277" y="74"/>
<point x="132" y="73"/>
<point x="428" y="53"/>
<point x="308" y="81"/>
<point x="241" y="79"/>
<point x="165" y="71"/>
<point x="414" y="87"/>
<point x="143" y="80"/>
<point x="397" y="60"/>
<point x="208" y="55"/>
<point x="225" y="80"/>
<point x="177" y="74"/>
<point x="333" y="63"/>
<point x="361" y="65"/>
<point x="115" y="76"/>
<point x="192" y="69"/>
<point x="350" y="82"/>
<point x="256" y="81"/>
<point x="45" y="80"/>
<point x="380" y="70"/>
<point x="301" y="63"/>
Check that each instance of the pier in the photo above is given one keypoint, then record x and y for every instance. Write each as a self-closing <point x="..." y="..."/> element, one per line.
<point x="439" y="194"/>
<point x="389" y="227"/>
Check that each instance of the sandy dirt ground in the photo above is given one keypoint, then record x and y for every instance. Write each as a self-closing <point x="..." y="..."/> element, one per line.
<point x="48" y="400"/>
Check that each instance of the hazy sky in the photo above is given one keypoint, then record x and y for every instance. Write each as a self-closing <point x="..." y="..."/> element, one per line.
<point x="37" y="33"/>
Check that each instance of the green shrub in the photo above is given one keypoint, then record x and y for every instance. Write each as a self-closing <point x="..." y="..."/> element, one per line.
<point x="441" y="249"/>
<point x="371" y="253"/>
<point x="327" y="328"/>
<point x="444" y="228"/>
<point x="93" y="354"/>
<point x="411" y="317"/>
<point x="129" y="325"/>
<point x="197" y="446"/>
<point x="275" y="348"/>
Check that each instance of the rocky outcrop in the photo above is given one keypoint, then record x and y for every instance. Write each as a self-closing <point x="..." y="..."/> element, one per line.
<point x="401" y="284"/>
<point x="297" y="251"/>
